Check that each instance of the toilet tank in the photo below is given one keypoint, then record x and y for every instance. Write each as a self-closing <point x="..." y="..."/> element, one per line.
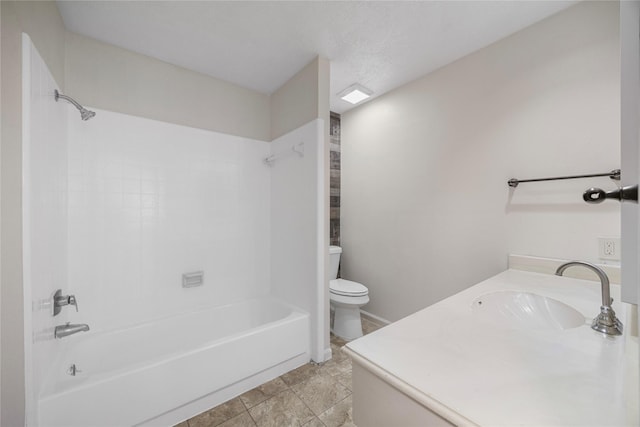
<point x="334" y="261"/>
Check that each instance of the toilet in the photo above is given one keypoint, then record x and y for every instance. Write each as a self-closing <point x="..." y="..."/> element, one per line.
<point x="346" y="298"/>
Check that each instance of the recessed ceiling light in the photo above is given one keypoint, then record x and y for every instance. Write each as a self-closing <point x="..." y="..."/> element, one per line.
<point x="355" y="93"/>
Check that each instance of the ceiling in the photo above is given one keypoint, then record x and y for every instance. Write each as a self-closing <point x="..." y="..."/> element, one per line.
<point x="260" y="45"/>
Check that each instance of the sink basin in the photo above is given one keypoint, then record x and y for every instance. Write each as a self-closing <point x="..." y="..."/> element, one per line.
<point x="524" y="310"/>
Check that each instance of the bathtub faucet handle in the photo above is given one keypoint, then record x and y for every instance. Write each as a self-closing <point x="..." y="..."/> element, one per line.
<point x="60" y="301"/>
<point x="73" y="301"/>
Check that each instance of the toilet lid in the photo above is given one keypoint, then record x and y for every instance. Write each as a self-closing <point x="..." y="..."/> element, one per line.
<point x="347" y="288"/>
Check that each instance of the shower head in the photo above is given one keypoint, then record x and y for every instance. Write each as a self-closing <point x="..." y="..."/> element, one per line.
<point x="84" y="113"/>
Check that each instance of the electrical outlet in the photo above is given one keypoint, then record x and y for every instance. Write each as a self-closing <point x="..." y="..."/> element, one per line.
<point x="609" y="248"/>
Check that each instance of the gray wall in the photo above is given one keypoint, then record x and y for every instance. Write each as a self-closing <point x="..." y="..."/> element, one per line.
<point x="301" y="99"/>
<point x="629" y="127"/>
<point x="109" y="77"/>
<point x="426" y="211"/>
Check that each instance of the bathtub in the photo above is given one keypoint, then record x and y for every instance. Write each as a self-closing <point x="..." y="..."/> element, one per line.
<point x="165" y="371"/>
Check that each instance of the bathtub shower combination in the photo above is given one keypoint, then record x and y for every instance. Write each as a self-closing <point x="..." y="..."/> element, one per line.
<point x="134" y="375"/>
<point x="195" y="266"/>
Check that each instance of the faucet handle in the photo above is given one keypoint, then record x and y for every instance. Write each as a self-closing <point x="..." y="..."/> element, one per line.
<point x="73" y="301"/>
<point x="60" y="301"/>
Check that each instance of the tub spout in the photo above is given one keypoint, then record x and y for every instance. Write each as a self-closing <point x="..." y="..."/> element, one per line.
<point x="62" y="331"/>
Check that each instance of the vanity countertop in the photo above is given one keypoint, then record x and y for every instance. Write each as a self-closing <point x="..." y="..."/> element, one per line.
<point x="476" y="373"/>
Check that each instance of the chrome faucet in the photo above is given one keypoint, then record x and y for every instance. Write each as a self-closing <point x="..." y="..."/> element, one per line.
<point x="62" y="331"/>
<point x="606" y="321"/>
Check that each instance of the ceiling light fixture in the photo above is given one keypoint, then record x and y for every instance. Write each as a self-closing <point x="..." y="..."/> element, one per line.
<point x="355" y="93"/>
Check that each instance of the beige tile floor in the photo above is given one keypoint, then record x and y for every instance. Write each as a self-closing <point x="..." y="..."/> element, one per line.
<point x="310" y="396"/>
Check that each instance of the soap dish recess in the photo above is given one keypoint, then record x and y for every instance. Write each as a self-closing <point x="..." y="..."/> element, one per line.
<point x="191" y="280"/>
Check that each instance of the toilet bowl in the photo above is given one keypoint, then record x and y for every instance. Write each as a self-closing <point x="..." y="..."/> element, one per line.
<point x="346" y="298"/>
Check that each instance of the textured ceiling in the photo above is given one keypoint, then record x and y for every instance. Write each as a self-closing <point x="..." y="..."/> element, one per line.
<point x="260" y="45"/>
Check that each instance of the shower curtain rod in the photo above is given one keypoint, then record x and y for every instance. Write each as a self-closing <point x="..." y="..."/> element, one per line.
<point x="614" y="174"/>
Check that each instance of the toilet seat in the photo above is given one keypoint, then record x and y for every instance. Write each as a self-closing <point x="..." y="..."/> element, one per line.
<point x="347" y="288"/>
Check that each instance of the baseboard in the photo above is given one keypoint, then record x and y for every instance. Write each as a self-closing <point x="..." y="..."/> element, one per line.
<point x="373" y="318"/>
<point x="328" y="354"/>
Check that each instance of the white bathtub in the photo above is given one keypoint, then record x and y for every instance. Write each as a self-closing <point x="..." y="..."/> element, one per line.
<point x="162" y="372"/>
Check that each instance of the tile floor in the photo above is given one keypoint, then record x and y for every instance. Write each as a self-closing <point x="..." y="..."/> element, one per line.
<point x="310" y="396"/>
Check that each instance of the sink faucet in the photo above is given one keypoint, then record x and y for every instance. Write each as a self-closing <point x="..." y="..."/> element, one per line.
<point x="606" y="321"/>
<point x="62" y="331"/>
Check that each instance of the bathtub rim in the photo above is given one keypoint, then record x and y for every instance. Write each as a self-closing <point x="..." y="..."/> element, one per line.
<point x="197" y="309"/>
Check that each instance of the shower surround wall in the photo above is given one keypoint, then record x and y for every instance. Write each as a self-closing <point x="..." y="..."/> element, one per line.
<point x="147" y="202"/>
<point x="45" y="219"/>
<point x="150" y="201"/>
<point x="297" y="226"/>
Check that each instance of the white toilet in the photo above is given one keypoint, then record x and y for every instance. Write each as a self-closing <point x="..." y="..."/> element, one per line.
<point x="346" y="299"/>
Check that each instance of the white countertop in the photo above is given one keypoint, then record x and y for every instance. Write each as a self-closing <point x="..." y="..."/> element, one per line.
<point x="497" y="376"/>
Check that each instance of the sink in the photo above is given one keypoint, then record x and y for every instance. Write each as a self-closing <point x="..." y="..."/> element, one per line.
<point x="524" y="310"/>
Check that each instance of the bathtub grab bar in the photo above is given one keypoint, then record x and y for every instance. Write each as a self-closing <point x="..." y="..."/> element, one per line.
<point x="298" y="149"/>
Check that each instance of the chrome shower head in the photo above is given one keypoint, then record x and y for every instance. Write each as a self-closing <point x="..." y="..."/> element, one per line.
<point x="84" y="113"/>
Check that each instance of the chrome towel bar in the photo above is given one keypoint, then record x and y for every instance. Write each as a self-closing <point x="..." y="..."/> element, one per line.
<point x="614" y="174"/>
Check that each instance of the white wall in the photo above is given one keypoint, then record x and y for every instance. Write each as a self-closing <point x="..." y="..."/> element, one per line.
<point x="43" y="23"/>
<point x="298" y="238"/>
<point x="149" y="201"/>
<point x="426" y="210"/>
<point x="45" y="218"/>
